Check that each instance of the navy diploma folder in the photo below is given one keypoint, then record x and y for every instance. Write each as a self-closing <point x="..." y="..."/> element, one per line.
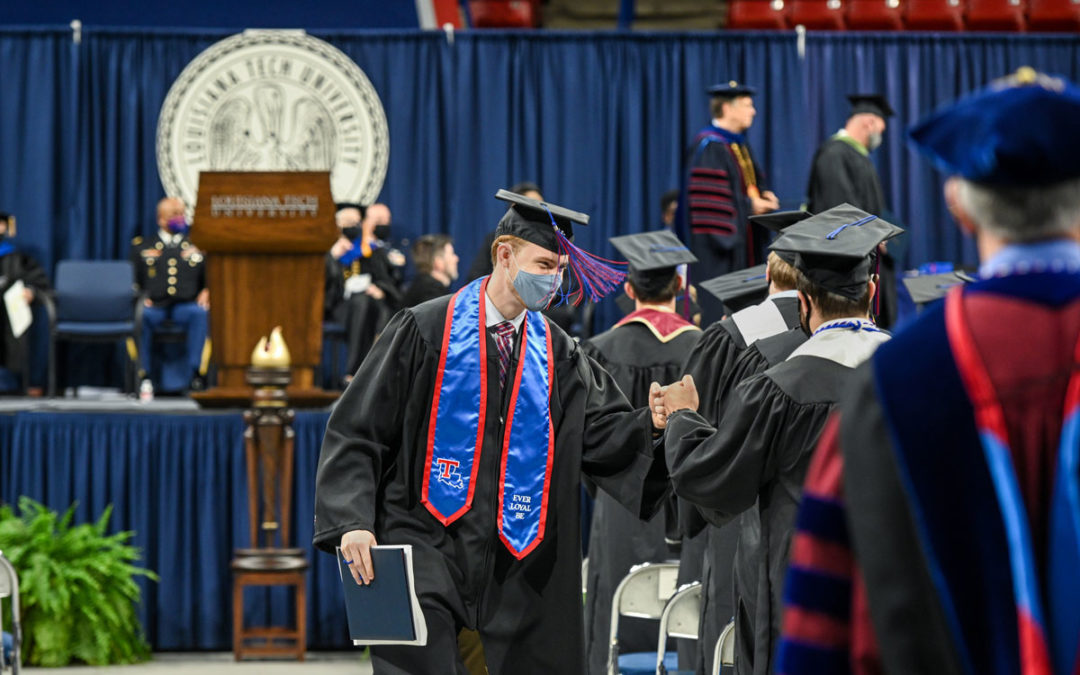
<point x="386" y="611"/>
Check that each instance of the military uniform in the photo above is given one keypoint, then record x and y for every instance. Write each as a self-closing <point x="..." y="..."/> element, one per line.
<point x="171" y="272"/>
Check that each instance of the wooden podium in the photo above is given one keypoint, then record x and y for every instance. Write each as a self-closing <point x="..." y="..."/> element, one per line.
<point x="265" y="235"/>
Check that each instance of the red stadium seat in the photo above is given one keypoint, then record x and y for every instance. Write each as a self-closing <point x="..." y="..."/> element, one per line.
<point x="505" y="13"/>
<point x="1002" y="15"/>
<point x="757" y="14"/>
<point x="1054" y="15"/>
<point x="938" y="15"/>
<point x="817" y="14"/>
<point x="874" y="15"/>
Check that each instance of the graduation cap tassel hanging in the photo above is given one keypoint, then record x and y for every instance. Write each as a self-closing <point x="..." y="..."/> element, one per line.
<point x="594" y="276"/>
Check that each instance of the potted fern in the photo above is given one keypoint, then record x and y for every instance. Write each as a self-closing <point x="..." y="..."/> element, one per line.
<point x="76" y="585"/>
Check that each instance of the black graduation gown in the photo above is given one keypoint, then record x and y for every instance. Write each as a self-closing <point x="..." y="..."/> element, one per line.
<point x="841" y="174"/>
<point x="14" y="267"/>
<point x="424" y="287"/>
<point x="757" y="458"/>
<point x="371" y="468"/>
<point x="636" y="355"/>
<point x="712" y="363"/>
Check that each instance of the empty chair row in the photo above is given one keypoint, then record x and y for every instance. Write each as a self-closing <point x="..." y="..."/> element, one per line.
<point x="931" y="15"/>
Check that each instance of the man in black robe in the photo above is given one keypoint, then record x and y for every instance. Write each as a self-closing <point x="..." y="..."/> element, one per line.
<point x="391" y="468"/>
<point x="648" y="345"/>
<point x="757" y="456"/>
<point x="842" y="173"/>
<point x="712" y="364"/>
<point x="722" y="187"/>
<point x="361" y="291"/>
<point x="436" y="268"/>
<point x="16" y="267"/>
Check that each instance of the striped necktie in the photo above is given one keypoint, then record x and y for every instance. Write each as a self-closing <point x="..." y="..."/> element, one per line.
<point x="504" y="340"/>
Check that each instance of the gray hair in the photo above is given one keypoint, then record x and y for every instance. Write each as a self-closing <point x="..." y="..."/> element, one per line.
<point x="1022" y="213"/>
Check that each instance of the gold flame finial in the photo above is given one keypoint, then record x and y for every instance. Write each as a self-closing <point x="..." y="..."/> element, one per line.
<point x="271" y="352"/>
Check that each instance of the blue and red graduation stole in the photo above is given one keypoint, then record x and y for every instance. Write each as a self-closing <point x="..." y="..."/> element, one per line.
<point x="1049" y="640"/>
<point x="459" y="413"/>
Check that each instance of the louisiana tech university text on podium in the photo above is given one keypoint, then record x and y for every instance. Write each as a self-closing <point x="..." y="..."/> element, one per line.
<point x="265" y="234"/>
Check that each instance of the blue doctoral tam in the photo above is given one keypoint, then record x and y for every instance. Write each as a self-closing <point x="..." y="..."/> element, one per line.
<point x="1019" y="131"/>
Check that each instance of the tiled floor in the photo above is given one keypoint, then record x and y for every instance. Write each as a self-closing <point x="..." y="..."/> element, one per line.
<point x="317" y="663"/>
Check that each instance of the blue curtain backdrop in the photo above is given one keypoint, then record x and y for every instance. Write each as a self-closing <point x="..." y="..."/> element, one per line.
<point x="179" y="482"/>
<point x="598" y="119"/>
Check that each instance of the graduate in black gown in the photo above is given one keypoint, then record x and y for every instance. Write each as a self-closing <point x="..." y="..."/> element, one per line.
<point x="467" y="433"/>
<point x="757" y="456"/>
<point x="843" y="173"/>
<point x="722" y="187"/>
<point x="764" y="303"/>
<point x="648" y="345"/>
<point x="436" y="268"/>
<point x="16" y="266"/>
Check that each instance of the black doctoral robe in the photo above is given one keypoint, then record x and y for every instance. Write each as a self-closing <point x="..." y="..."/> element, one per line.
<point x="712" y="363"/>
<point x="528" y="612"/>
<point x="756" y="459"/>
<point x="14" y="267"/>
<point x="647" y="346"/>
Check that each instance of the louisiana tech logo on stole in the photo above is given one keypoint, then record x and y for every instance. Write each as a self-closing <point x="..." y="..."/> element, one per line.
<point x="459" y="414"/>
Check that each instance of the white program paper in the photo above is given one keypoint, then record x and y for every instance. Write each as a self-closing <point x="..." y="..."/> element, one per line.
<point x="18" y="309"/>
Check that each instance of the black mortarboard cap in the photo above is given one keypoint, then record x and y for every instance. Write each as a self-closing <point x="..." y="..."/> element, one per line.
<point x="778" y="221"/>
<point x="739" y="289"/>
<point x="870" y="103"/>
<point x="532" y="220"/>
<point x="833" y="248"/>
<point x="653" y="257"/>
<point x="926" y="288"/>
<point x="731" y="89"/>
<point x="350" y="205"/>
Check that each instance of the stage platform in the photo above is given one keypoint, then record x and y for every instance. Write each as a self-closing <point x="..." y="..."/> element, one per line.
<point x="174" y="475"/>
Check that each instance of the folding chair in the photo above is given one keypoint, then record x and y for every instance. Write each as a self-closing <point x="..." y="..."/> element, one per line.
<point x="681" y="619"/>
<point x="9" y="588"/>
<point x="725" y="649"/>
<point x="643" y="593"/>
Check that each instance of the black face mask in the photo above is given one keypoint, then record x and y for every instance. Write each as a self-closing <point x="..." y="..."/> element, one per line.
<point x="350" y="232"/>
<point x="382" y="232"/>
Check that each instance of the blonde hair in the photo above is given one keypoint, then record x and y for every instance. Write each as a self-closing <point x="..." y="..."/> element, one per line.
<point x="781" y="275"/>
<point x="515" y="245"/>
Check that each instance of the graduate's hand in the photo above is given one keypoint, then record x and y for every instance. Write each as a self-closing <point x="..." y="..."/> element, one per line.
<point x="340" y="248"/>
<point x="656" y="405"/>
<point x="356" y="546"/>
<point x="681" y="395"/>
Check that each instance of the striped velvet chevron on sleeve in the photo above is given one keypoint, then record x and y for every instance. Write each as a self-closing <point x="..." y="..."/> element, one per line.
<point x="826" y="625"/>
<point x="712" y="204"/>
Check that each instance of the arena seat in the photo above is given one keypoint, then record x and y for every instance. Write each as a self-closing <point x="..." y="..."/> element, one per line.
<point x="757" y="15"/>
<point x="936" y="15"/>
<point x="995" y="15"/>
<point x="504" y="13"/>
<point x="1054" y="15"/>
<point x="817" y="14"/>
<point x="874" y="15"/>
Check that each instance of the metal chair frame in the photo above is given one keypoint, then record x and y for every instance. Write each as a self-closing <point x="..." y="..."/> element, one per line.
<point x="9" y="588"/>
<point x="681" y="619"/>
<point x="628" y="601"/>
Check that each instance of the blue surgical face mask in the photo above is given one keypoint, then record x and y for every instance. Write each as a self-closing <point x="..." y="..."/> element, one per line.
<point x="536" y="290"/>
